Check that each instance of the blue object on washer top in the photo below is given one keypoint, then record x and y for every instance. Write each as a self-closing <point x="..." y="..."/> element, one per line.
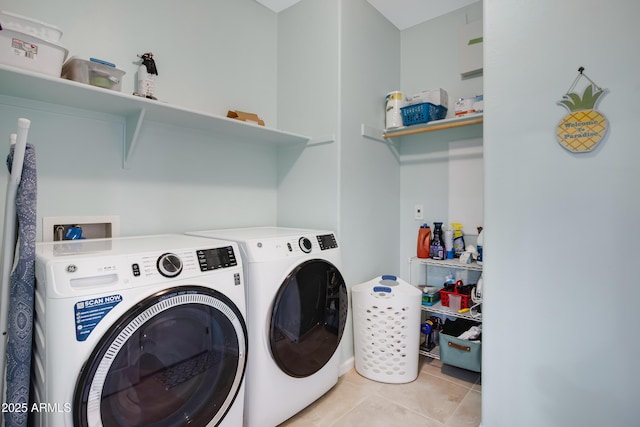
<point x="100" y="61"/>
<point x="382" y="289"/>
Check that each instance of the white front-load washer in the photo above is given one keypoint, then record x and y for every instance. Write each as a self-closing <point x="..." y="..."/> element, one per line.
<point x="296" y="313"/>
<point x="139" y="331"/>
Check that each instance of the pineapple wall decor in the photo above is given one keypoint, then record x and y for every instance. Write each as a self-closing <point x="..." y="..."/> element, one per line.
<point x="584" y="127"/>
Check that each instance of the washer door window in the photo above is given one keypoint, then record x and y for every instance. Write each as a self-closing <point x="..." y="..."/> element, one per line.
<point x="308" y="318"/>
<point x="177" y="358"/>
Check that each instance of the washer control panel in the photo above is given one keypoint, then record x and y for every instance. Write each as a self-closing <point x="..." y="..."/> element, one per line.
<point x="189" y="262"/>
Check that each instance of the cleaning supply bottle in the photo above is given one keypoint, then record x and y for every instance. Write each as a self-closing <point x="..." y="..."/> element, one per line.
<point x="458" y="239"/>
<point x="424" y="241"/>
<point x="437" y="245"/>
<point x="480" y="244"/>
<point x="448" y="243"/>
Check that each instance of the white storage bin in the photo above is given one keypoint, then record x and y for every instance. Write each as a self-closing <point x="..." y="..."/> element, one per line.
<point x="32" y="53"/>
<point x="93" y="73"/>
<point x="434" y="96"/>
<point x="22" y="24"/>
<point x="386" y="328"/>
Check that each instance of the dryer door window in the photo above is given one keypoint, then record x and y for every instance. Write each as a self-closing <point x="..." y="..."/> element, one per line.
<point x="308" y="318"/>
<point x="177" y="358"/>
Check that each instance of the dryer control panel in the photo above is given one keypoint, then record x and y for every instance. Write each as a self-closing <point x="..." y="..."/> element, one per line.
<point x="327" y="241"/>
<point x="212" y="259"/>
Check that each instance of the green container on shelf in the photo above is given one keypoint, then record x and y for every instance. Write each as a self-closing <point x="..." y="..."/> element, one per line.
<point x="461" y="353"/>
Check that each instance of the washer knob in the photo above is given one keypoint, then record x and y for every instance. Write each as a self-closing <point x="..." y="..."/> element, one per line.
<point x="169" y="265"/>
<point x="305" y="245"/>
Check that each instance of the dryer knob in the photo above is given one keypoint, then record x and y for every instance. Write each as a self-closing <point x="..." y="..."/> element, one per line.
<point x="169" y="265"/>
<point x="305" y="245"/>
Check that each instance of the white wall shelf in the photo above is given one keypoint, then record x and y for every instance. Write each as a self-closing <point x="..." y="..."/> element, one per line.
<point x="453" y="263"/>
<point x="136" y="110"/>
<point x="455" y="122"/>
<point x="385" y="134"/>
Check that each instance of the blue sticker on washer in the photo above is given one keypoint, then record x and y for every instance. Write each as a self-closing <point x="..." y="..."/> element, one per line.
<point x="382" y="289"/>
<point x="91" y="311"/>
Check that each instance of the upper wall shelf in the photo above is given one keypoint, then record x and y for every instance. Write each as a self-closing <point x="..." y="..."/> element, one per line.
<point x="40" y="87"/>
<point x="444" y="124"/>
<point x="385" y="134"/>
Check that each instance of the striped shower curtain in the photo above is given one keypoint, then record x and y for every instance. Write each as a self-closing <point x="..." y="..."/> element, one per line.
<point x="22" y="282"/>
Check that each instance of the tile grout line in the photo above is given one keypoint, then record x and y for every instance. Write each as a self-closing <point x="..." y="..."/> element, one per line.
<point x="448" y="380"/>
<point x="421" y="415"/>
<point x="456" y="408"/>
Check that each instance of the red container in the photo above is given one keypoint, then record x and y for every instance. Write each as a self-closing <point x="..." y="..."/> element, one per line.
<point x="464" y="299"/>
<point x="424" y="241"/>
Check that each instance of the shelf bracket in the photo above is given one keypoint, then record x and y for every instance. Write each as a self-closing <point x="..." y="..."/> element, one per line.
<point x="372" y="133"/>
<point x="321" y="140"/>
<point x="378" y="135"/>
<point x="132" y="132"/>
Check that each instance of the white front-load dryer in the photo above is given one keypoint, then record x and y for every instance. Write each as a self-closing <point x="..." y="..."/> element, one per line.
<point x="296" y="313"/>
<point x="140" y="331"/>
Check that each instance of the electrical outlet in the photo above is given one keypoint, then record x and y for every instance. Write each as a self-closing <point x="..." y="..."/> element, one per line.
<point x="417" y="212"/>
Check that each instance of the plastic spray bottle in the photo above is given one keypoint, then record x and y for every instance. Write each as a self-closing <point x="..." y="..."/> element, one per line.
<point x="448" y="242"/>
<point x="437" y="245"/>
<point x="480" y="244"/>
<point x="424" y="241"/>
<point x="458" y="239"/>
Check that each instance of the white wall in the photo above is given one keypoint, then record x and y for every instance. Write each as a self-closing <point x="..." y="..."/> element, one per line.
<point x="559" y="344"/>
<point x="308" y="103"/>
<point x="369" y="173"/>
<point x="178" y="179"/>
<point x="443" y="170"/>
<point x="210" y="59"/>
<point x="337" y="60"/>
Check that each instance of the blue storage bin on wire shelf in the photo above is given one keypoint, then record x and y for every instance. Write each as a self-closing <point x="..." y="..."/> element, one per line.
<point x="422" y="113"/>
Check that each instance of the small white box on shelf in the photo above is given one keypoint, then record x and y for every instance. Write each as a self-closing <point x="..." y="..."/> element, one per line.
<point x="28" y="52"/>
<point x="23" y="24"/>
<point x="30" y="44"/>
<point x="434" y="96"/>
<point x="472" y="105"/>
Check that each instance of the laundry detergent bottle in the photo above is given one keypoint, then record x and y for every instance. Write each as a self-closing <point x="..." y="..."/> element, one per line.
<point x="458" y="239"/>
<point x="424" y="241"/>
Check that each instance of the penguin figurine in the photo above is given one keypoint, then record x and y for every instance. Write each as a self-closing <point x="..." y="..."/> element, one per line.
<point x="147" y="73"/>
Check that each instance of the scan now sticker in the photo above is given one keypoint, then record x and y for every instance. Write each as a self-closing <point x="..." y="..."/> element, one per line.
<point x="90" y="312"/>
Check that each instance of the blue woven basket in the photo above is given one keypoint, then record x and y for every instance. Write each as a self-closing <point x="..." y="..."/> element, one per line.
<point x="422" y="113"/>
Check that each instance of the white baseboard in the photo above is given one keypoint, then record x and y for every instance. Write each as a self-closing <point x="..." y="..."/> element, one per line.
<point x="347" y="365"/>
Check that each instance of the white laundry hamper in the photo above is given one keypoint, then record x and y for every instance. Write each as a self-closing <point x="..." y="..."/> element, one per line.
<point x="386" y="329"/>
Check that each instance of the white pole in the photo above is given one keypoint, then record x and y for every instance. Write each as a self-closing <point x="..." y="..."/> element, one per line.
<point x="9" y="241"/>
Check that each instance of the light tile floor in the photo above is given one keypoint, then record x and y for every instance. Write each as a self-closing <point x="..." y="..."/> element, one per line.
<point x="442" y="395"/>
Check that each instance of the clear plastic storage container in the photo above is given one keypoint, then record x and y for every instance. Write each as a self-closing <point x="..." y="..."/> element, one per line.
<point x="94" y="73"/>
